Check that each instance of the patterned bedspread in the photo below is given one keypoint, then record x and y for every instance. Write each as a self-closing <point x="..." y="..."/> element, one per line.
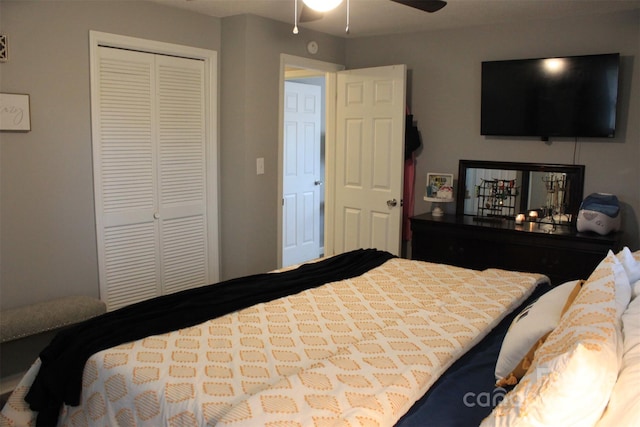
<point x="358" y="352"/>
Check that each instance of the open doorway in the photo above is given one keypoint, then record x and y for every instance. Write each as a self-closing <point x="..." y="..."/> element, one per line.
<point x="305" y="131"/>
<point x="303" y="169"/>
<point x="364" y="150"/>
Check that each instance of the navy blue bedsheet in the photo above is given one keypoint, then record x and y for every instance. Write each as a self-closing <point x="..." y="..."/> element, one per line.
<point x="466" y="393"/>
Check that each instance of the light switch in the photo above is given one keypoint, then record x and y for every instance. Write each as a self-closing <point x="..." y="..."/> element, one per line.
<point x="260" y="166"/>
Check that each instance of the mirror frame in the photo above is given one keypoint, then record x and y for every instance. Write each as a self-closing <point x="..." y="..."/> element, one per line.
<point x="576" y="192"/>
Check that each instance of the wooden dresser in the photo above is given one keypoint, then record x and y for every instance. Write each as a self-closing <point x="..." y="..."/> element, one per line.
<point x="562" y="255"/>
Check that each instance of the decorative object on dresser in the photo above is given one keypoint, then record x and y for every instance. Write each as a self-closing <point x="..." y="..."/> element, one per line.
<point x="496" y="198"/>
<point x="535" y="232"/>
<point x="600" y="213"/>
<point x="439" y="189"/>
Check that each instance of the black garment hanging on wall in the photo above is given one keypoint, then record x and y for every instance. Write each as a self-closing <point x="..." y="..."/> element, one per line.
<point x="411" y="137"/>
<point x="411" y="144"/>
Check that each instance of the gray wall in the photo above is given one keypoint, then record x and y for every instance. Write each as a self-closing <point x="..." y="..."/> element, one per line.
<point x="444" y="70"/>
<point x="48" y="243"/>
<point x="47" y="225"/>
<point x="249" y="123"/>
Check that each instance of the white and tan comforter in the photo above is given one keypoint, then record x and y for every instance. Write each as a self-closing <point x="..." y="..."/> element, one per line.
<point x="358" y="352"/>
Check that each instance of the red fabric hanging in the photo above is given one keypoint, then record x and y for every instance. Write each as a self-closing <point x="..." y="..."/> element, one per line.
<point x="408" y="202"/>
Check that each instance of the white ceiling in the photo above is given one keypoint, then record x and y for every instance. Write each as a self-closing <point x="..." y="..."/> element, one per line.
<point x="375" y="17"/>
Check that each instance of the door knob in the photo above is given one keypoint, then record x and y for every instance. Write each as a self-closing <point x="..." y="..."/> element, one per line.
<point x="391" y="203"/>
<point x="156" y="215"/>
<point x="317" y="183"/>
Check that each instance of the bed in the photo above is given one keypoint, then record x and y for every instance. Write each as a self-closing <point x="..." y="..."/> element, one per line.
<point x="362" y="338"/>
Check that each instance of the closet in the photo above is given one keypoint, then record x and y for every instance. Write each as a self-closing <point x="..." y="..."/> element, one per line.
<point x="155" y="173"/>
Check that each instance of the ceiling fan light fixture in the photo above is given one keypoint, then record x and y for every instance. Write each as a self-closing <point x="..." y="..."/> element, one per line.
<point x="322" y="5"/>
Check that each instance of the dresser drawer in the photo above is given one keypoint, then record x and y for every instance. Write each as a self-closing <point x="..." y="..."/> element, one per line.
<point x="563" y="255"/>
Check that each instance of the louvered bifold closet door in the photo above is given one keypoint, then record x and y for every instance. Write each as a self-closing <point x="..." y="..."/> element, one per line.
<point x="149" y="175"/>
<point x="182" y="173"/>
<point x="125" y="178"/>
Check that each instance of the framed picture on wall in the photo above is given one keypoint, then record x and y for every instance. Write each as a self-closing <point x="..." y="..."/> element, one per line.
<point x="14" y="112"/>
<point x="439" y="187"/>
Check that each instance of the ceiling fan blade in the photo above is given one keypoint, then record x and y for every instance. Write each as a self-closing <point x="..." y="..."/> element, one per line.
<point x="424" y="5"/>
<point x="307" y="14"/>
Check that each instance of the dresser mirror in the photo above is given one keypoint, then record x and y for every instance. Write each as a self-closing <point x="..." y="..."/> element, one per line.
<point x="494" y="191"/>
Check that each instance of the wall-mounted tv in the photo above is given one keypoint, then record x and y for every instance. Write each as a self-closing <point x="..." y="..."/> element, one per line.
<point x="573" y="96"/>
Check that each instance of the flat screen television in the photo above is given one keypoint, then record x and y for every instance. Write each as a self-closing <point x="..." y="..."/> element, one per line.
<point x="573" y="96"/>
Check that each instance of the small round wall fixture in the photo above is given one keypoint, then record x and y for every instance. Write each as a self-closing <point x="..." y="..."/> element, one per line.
<point x="312" y="47"/>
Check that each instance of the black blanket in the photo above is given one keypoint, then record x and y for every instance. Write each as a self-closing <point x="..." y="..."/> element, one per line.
<point x="60" y="377"/>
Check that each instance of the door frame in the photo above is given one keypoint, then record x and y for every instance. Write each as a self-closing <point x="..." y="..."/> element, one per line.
<point x="329" y="69"/>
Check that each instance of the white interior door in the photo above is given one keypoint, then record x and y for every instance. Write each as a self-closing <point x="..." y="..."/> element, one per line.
<point x="153" y="172"/>
<point x="301" y="173"/>
<point x="369" y="157"/>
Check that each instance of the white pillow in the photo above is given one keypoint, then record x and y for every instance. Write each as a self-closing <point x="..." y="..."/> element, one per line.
<point x="574" y="371"/>
<point x="624" y="404"/>
<point x="622" y="286"/>
<point x="631" y="330"/>
<point x="530" y="325"/>
<point x="630" y="264"/>
<point x="635" y="285"/>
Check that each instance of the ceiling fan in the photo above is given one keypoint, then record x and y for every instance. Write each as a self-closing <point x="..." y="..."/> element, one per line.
<point x="308" y="14"/>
